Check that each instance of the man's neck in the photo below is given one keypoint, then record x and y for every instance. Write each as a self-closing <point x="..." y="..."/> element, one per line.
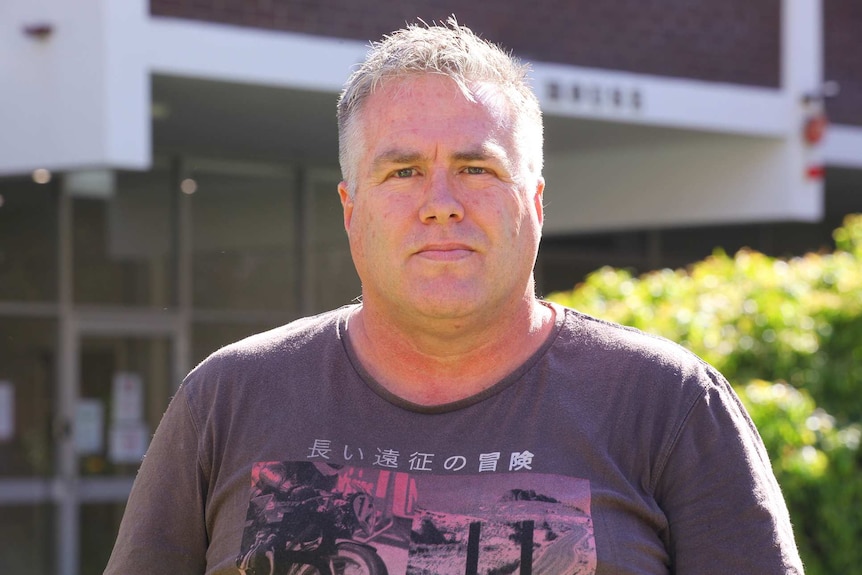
<point x="433" y="362"/>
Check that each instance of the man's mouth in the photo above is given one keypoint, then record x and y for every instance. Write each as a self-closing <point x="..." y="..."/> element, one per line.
<point x="445" y="251"/>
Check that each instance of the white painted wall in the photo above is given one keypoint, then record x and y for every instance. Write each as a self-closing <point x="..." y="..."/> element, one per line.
<point x="698" y="179"/>
<point x="231" y="53"/>
<point x="79" y="97"/>
<point x="842" y="147"/>
<point x="669" y="102"/>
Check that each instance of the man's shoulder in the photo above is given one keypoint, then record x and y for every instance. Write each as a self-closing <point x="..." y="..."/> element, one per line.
<point x="624" y="347"/>
<point x="307" y="335"/>
<point x="604" y="333"/>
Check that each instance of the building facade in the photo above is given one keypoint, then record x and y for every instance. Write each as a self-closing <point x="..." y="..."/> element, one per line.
<point x="168" y="176"/>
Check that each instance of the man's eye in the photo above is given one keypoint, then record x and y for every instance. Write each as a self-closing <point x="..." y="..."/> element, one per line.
<point x="404" y="173"/>
<point x="475" y="170"/>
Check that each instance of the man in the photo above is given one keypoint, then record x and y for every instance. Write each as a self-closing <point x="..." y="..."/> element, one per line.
<point x="452" y="422"/>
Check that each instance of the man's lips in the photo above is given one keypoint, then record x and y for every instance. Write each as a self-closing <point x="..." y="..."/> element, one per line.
<point x="445" y="252"/>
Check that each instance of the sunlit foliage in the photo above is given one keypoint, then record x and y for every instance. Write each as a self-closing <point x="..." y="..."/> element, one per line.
<point x="788" y="335"/>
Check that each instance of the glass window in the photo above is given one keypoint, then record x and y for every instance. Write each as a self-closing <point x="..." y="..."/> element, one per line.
<point x="99" y="524"/>
<point x="244" y="240"/>
<point x="28" y="240"/>
<point x="125" y="386"/>
<point x="27" y="536"/>
<point x="333" y="279"/>
<point x="124" y="242"/>
<point x="27" y="372"/>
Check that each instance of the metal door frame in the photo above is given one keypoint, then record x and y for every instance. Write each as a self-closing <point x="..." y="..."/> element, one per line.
<point x="68" y="490"/>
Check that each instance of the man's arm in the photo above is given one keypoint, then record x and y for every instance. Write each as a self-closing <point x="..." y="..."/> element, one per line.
<point x="725" y="509"/>
<point x="163" y="527"/>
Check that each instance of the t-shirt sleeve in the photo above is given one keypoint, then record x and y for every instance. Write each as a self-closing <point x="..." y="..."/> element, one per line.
<point x="725" y="509"/>
<point x="163" y="527"/>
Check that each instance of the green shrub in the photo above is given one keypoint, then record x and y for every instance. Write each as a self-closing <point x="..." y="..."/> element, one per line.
<point x="758" y="318"/>
<point x="817" y="465"/>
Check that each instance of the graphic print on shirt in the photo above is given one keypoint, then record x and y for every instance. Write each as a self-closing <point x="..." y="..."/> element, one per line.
<point x="310" y="518"/>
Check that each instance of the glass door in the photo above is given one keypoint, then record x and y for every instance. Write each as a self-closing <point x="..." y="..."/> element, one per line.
<point x="127" y="369"/>
<point x="28" y="362"/>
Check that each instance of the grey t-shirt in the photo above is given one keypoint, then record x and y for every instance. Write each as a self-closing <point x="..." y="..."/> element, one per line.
<point x="608" y="451"/>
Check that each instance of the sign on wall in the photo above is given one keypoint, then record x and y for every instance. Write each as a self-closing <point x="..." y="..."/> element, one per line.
<point x="7" y="410"/>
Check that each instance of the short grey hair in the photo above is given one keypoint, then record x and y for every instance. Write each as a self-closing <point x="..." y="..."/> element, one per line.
<point x="448" y="49"/>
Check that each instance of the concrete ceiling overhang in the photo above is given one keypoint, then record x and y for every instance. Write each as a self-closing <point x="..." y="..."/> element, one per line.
<point x="193" y="117"/>
<point x="254" y="122"/>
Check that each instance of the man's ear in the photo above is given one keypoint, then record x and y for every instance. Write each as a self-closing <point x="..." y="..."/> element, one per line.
<point x="346" y="204"/>
<point x="537" y="199"/>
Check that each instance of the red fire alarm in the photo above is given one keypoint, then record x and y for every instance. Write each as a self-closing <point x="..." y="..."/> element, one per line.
<point x="815" y="128"/>
<point x="816" y="172"/>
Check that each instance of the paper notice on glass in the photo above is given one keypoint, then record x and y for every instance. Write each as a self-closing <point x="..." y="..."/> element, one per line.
<point x="127" y="397"/>
<point x="89" y="426"/>
<point x="128" y="441"/>
<point x="7" y="410"/>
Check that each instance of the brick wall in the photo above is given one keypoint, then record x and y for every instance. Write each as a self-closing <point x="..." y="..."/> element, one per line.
<point x="842" y="31"/>
<point x="736" y="41"/>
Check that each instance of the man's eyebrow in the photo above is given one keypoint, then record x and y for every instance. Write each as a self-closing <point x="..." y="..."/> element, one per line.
<point x="489" y="147"/>
<point x="490" y="152"/>
<point x="390" y="157"/>
<point x="477" y="155"/>
<point x="402" y="157"/>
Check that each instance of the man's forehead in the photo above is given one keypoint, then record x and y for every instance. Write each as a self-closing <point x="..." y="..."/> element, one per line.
<point x="407" y="84"/>
<point x="410" y="125"/>
<point x="431" y="98"/>
<point x="490" y="96"/>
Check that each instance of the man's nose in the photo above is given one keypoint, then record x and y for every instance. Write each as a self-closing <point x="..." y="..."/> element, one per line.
<point x="440" y="203"/>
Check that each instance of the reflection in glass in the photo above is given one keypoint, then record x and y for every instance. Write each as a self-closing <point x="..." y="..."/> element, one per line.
<point x="333" y="278"/>
<point x="99" y="524"/>
<point x="125" y="387"/>
<point x="124" y="243"/>
<point x="27" y="364"/>
<point x="27" y="539"/>
<point x="28" y="241"/>
<point x="244" y="242"/>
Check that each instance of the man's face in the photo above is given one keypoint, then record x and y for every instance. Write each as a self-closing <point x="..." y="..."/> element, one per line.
<point x="445" y="220"/>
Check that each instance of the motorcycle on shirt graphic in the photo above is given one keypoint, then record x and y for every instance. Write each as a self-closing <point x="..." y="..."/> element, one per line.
<point x="299" y="525"/>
